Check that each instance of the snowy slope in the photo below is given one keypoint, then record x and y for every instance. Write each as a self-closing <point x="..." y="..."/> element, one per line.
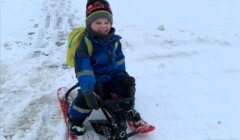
<point x="183" y="54"/>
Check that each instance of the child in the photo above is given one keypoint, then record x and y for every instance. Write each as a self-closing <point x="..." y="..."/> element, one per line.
<point x="104" y="72"/>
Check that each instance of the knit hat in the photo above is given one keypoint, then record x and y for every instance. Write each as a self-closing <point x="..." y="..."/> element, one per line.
<point x="98" y="9"/>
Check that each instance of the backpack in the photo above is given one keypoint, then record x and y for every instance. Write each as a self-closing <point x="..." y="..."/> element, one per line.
<point x="74" y="39"/>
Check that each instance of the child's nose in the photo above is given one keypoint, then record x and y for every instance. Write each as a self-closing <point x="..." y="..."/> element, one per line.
<point x="103" y="25"/>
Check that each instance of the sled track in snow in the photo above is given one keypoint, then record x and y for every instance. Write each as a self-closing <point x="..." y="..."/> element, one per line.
<point x="39" y="112"/>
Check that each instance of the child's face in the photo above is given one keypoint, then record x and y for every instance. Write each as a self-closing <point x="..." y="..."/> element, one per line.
<point x="101" y="26"/>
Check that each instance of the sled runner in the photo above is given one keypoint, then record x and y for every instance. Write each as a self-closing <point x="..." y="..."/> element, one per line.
<point x="113" y="127"/>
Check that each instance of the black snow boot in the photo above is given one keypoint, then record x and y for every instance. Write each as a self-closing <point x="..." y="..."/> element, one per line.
<point x="133" y="117"/>
<point x="76" y="127"/>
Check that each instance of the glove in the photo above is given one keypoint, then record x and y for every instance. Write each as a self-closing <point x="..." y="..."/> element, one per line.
<point x="93" y="101"/>
<point x="127" y="81"/>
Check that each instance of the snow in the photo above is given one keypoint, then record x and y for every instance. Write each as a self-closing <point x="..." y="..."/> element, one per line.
<point x="183" y="54"/>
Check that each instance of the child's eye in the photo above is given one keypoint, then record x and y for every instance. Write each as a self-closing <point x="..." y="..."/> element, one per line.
<point x="107" y="22"/>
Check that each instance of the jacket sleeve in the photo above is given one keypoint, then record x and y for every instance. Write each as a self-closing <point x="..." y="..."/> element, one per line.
<point x="120" y="58"/>
<point x="83" y="68"/>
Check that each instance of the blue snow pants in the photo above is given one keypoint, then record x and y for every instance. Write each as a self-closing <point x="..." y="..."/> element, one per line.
<point x="79" y="109"/>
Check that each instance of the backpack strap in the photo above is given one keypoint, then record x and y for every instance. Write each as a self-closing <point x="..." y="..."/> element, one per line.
<point x="89" y="46"/>
<point x="115" y="46"/>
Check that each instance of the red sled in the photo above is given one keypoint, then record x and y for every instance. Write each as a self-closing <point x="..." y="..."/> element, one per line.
<point x="64" y="107"/>
<point x="143" y="127"/>
<point x="113" y="127"/>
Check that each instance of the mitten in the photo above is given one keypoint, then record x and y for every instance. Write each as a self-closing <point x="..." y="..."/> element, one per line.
<point x="93" y="101"/>
<point x="126" y="81"/>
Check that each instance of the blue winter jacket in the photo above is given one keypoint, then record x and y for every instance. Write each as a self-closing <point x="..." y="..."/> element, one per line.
<point x="102" y="65"/>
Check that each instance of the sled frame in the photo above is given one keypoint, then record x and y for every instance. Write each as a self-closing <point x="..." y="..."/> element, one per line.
<point x="115" y="118"/>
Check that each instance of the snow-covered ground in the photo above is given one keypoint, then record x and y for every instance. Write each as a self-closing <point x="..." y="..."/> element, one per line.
<point x="185" y="56"/>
